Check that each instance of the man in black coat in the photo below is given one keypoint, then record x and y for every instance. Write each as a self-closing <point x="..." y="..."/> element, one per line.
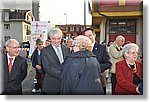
<point x="14" y="70"/>
<point x="101" y="54"/>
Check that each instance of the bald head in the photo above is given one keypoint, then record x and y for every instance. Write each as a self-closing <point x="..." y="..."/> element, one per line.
<point x="120" y="40"/>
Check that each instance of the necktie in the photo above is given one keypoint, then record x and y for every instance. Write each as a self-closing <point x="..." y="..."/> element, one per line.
<point x="59" y="55"/>
<point x="10" y="64"/>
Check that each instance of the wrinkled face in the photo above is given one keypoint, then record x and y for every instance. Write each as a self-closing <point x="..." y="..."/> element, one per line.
<point x="132" y="55"/>
<point x="55" y="41"/>
<point x="90" y="35"/>
<point x="120" y="42"/>
<point x="13" y="48"/>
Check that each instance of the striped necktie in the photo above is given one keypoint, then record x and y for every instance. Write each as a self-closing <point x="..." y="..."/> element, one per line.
<point x="59" y="55"/>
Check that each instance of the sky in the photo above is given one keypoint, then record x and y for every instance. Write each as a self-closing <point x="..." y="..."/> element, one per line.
<point x="54" y="10"/>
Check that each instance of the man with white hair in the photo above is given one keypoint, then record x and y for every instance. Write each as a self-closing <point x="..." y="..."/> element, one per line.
<point x="14" y="69"/>
<point x="52" y="57"/>
<point x="115" y="52"/>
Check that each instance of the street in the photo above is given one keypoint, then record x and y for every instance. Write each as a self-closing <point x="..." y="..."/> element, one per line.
<point x="27" y="84"/>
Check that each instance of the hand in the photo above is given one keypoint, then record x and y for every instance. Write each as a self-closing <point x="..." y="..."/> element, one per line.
<point x="38" y="67"/>
<point x="137" y="90"/>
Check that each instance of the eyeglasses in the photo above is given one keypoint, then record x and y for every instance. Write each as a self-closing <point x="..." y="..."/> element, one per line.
<point x="134" y="53"/>
<point x="40" y="44"/>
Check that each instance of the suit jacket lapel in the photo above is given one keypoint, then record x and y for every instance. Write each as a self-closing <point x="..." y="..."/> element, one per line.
<point x="95" y="48"/>
<point x="64" y="51"/>
<point x="15" y="65"/>
<point x="5" y="69"/>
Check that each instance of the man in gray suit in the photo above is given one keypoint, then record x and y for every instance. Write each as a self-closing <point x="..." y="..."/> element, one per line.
<point x="52" y="57"/>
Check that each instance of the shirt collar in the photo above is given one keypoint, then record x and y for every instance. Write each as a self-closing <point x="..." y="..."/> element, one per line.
<point x="10" y="56"/>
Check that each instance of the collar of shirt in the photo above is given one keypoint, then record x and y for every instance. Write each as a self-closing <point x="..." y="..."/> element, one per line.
<point x="39" y="51"/>
<point x="57" y="47"/>
<point x="10" y="57"/>
<point x="119" y="47"/>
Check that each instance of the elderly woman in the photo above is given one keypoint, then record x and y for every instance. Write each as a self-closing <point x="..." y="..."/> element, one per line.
<point x="129" y="71"/>
<point x="81" y="70"/>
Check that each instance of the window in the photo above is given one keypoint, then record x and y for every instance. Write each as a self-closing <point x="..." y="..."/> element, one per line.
<point x="113" y="26"/>
<point x="122" y="26"/>
<point x="68" y="29"/>
<point x="6" y="38"/>
<point x="6" y="26"/>
<point x="79" y="28"/>
<point x="75" y="29"/>
<point x="131" y="26"/>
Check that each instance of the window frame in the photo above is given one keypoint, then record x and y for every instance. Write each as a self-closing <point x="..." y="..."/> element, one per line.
<point x="121" y="26"/>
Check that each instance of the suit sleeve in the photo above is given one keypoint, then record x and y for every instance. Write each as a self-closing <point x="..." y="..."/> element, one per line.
<point x="48" y="65"/>
<point x="24" y="69"/>
<point x="122" y="82"/>
<point x="106" y="64"/>
<point x="34" y="59"/>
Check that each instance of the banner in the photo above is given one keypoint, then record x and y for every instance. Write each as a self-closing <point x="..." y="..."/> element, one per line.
<point x="39" y="30"/>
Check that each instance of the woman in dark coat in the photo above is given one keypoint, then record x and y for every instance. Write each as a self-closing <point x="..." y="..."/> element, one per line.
<point x="81" y="70"/>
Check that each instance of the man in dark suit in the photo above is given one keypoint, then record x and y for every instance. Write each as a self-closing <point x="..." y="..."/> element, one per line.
<point x="52" y="57"/>
<point x="14" y="69"/>
<point x="101" y="54"/>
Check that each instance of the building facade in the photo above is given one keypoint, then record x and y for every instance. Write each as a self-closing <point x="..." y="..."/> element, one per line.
<point x="72" y="30"/>
<point x="16" y="16"/>
<point x="16" y="24"/>
<point x="118" y="17"/>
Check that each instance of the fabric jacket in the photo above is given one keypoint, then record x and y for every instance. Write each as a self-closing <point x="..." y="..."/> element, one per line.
<point x="104" y="60"/>
<point x="34" y="60"/>
<point x="124" y="77"/>
<point x="115" y="56"/>
<point x="12" y="82"/>
<point x="52" y="68"/>
<point x="80" y="74"/>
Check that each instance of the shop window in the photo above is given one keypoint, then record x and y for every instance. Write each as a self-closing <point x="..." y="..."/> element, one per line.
<point x="122" y="26"/>
<point x="113" y="26"/>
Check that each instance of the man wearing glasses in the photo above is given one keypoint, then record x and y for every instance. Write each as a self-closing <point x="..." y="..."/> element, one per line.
<point x="14" y="69"/>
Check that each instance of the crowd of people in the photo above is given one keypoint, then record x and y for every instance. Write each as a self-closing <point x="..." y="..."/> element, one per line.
<point x="81" y="67"/>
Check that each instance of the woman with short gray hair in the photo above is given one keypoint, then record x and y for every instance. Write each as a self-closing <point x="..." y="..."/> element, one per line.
<point x="81" y="70"/>
<point x="128" y="47"/>
<point x="129" y="72"/>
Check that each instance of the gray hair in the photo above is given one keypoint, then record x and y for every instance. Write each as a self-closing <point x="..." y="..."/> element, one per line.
<point x="128" y="47"/>
<point x="83" y="42"/>
<point x="9" y="41"/>
<point x="55" y="32"/>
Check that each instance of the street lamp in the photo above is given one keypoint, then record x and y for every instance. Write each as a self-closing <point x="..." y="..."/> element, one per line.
<point x="66" y="17"/>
